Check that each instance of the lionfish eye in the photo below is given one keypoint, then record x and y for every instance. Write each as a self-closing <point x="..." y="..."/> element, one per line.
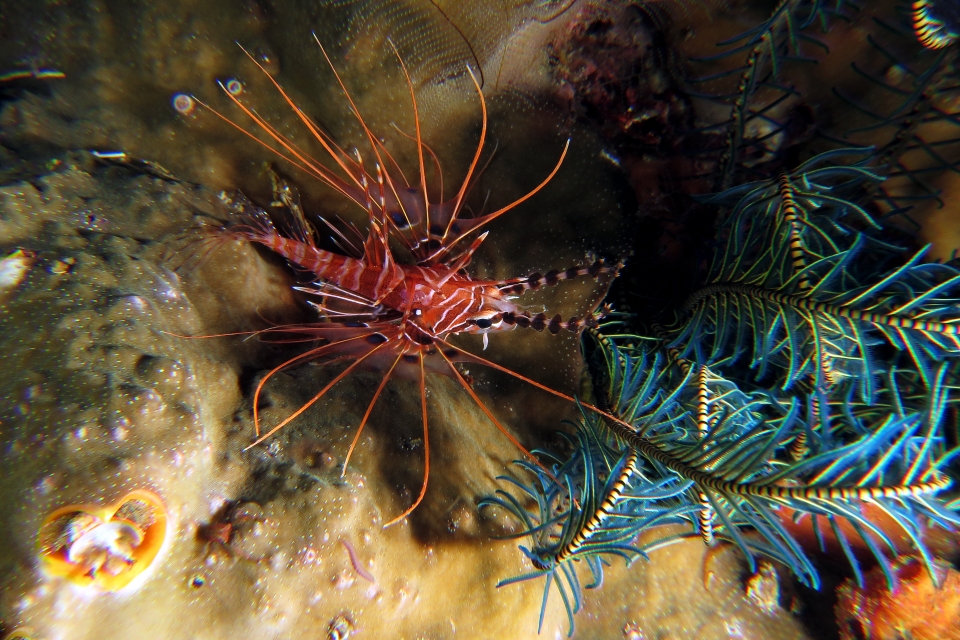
<point x="483" y="323"/>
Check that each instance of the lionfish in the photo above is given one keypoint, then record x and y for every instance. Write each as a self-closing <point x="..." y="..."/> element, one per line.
<point x="380" y="313"/>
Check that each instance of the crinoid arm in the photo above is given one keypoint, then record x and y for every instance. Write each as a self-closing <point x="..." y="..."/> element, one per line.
<point x="911" y="119"/>
<point x="807" y="296"/>
<point x="598" y="500"/>
<point x="936" y="24"/>
<point x="679" y="443"/>
<point x="755" y="89"/>
<point x="602" y="502"/>
<point x="742" y="466"/>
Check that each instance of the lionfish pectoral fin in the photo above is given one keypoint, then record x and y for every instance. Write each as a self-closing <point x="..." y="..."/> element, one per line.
<point x="376" y="249"/>
<point x="359" y="176"/>
<point x="424" y="220"/>
<point x="363" y="422"/>
<point x="461" y="194"/>
<point x="191" y="249"/>
<point x="473" y="394"/>
<point x="315" y="398"/>
<point x="297" y="157"/>
<point x="416" y="122"/>
<point x="303" y="357"/>
<point x="470" y="357"/>
<point x="426" y="448"/>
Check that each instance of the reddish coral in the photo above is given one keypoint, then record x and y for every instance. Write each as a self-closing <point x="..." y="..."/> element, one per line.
<point x="939" y="541"/>
<point x="615" y="68"/>
<point x="915" y="609"/>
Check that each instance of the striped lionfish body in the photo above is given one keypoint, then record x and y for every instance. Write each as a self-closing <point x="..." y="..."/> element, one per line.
<point x="378" y="312"/>
<point x="438" y="300"/>
<point x="434" y="300"/>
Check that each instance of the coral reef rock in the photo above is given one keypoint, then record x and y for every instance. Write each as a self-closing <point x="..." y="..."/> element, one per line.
<point x="916" y="608"/>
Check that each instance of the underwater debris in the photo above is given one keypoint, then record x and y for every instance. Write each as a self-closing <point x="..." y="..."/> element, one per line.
<point x="217" y="534"/>
<point x="340" y="628"/>
<point x="35" y="80"/>
<point x="37" y="74"/>
<point x="136" y="165"/>
<point x="238" y="529"/>
<point x="233" y="86"/>
<point x="916" y="609"/>
<point x="62" y="267"/>
<point x="105" y="547"/>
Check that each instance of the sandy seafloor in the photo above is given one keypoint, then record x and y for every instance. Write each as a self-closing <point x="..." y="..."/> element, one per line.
<point x="99" y="396"/>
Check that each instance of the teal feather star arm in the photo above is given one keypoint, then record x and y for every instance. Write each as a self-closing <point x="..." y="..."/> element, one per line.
<point x="683" y="445"/>
<point x="603" y="502"/>
<point x="807" y="296"/>
<point x="790" y="34"/>
<point x="734" y="447"/>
